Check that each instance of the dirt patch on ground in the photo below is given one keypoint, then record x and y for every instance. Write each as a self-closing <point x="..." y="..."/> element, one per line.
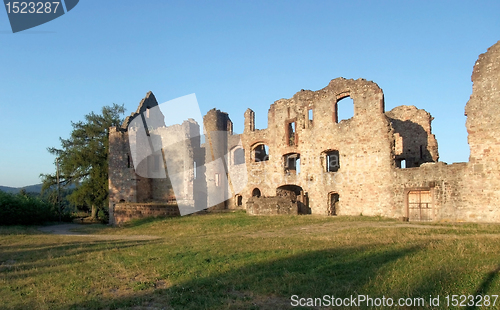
<point x="68" y="230"/>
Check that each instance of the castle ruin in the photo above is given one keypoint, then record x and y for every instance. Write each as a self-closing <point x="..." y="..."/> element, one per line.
<point x="307" y="161"/>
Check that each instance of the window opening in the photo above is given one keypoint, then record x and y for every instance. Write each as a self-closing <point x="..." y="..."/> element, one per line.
<point x="217" y="179"/>
<point x="291" y="133"/>
<point x="332" y="163"/>
<point x="256" y="192"/>
<point x="292" y="163"/>
<point x="239" y="156"/>
<point x="401" y="163"/>
<point x="344" y="109"/>
<point x="261" y="153"/>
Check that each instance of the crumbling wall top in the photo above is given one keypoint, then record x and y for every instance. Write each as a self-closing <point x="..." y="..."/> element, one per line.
<point x="367" y="96"/>
<point x="413" y="134"/>
<point x="148" y="102"/>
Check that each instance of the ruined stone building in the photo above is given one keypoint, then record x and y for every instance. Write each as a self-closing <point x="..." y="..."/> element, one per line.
<point x="307" y="161"/>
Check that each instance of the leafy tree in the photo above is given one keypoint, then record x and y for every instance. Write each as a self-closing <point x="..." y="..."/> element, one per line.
<point x="83" y="159"/>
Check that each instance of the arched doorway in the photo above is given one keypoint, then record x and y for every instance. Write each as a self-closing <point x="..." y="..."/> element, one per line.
<point x="256" y="192"/>
<point x="238" y="201"/>
<point x="296" y="194"/>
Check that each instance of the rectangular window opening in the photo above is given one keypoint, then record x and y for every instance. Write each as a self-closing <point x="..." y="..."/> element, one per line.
<point x="292" y="164"/>
<point x="291" y="133"/>
<point x="217" y="179"/>
<point x="332" y="163"/>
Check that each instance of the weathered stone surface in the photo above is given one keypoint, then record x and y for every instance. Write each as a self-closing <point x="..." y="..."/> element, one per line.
<point x="414" y="141"/>
<point x="483" y="108"/>
<point x="124" y="212"/>
<point x="271" y="206"/>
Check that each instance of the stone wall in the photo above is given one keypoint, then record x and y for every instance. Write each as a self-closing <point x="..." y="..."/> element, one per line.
<point x="271" y="206"/>
<point x="414" y="141"/>
<point x="124" y="212"/>
<point x="466" y="191"/>
<point x="483" y="108"/>
<point x="364" y="143"/>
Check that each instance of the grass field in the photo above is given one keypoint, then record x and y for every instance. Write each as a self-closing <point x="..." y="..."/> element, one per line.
<point x="236" y="261"/>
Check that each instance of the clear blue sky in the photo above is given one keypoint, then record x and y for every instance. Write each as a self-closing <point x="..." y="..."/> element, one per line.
<point x="233" y="55"/>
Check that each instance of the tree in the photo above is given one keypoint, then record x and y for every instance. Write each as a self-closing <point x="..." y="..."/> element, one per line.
<point x="83" y="159"/>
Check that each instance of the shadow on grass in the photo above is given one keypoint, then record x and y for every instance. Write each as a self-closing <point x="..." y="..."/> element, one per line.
<point x="21" y="261"/>
<point x="484" y="287"/>
<point x="269" y="284"/>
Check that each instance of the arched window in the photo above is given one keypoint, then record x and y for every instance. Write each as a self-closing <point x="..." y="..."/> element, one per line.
<point x="256" y="192"/>
<point x="343" y="107"/>
<point x="260" y="152"/>
<point x="239" y="156"/>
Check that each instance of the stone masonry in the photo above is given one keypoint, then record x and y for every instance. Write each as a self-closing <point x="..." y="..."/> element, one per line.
<point x="308" y="161"/>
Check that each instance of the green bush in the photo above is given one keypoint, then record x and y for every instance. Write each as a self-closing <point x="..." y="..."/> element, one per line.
<point x="22" y="209"/>
<point x="103" y="215"/>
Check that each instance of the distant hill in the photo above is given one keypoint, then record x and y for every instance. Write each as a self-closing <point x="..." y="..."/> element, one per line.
<point x="37" y="188"/>
<point x="7" y="189"/>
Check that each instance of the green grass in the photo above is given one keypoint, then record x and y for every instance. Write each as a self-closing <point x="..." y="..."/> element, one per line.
<point x="236" y="261"/>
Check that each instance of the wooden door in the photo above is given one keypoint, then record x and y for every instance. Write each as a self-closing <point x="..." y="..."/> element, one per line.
<point x="420" y="205"/>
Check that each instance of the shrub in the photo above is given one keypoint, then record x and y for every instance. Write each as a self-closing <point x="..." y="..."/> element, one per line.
<point x="103" y="215"/>
<point x="23" y="209"/>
